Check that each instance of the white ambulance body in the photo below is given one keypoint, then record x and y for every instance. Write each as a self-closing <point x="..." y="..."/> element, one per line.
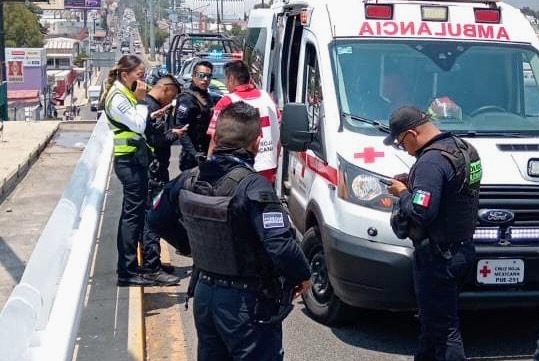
<point x="338" y="68"/>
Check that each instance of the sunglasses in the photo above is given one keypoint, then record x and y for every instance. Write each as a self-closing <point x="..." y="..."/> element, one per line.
<point x="205" y="76"/>
<point x="400" y="144"/>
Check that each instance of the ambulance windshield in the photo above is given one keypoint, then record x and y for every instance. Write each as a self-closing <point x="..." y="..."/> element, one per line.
<point x="479" y="87"/>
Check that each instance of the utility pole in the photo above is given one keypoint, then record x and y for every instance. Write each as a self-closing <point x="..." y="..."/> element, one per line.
<point x="217" y="13"/>
<point x="152" y="31"/>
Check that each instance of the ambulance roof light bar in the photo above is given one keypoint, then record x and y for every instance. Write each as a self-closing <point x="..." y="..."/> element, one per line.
<point x="491" y="3"/>
<point x="379" y="11"/>
<point x="491" y="16"/>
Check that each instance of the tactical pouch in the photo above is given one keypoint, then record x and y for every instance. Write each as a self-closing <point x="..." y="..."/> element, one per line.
<point x="399" y="223"/>
<point x="142" y="154"/>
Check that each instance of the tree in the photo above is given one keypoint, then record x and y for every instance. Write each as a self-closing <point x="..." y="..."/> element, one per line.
<point x="79" y="60"/>
<point x="160" y="37"/>
<point x="22" y="27"/>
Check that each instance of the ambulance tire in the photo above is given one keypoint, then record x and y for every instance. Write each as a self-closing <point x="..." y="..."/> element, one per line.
<point x="321" y="302"/>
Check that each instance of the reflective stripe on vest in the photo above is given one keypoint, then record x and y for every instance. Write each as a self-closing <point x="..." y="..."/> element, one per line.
<point x="122" y="137"/>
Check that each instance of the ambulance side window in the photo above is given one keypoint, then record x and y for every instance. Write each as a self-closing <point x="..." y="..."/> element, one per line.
<point x="255" y="44"/>
<point x="312" y="94"/>
<point x="290" y="57"/>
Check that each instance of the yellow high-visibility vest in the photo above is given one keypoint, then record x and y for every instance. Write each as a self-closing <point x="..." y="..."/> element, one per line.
<point x="124" y="140"/>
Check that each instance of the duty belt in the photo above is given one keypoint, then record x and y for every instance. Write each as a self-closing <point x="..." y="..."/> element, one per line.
<point x="229" y="283"/>
<point x="445" y="250"/>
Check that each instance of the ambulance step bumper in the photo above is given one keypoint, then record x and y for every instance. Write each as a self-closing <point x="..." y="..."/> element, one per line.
<point x="369" y="274"/>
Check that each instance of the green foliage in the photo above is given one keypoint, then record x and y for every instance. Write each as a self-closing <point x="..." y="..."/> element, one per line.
<point x="79" y="60"/>
<point x="22" y="27"/>
<point x="160" y="37"/>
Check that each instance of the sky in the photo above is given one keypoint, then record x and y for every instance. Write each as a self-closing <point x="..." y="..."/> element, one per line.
<point x="533" y="4"/>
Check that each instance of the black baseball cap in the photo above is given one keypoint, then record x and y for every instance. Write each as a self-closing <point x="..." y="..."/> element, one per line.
<point x="404" y="118"/>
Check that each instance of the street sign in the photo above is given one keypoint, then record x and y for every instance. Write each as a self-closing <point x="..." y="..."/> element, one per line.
<point x="106" y="59"/>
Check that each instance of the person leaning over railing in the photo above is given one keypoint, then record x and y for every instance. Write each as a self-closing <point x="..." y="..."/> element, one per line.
<point x="127" y="114"/>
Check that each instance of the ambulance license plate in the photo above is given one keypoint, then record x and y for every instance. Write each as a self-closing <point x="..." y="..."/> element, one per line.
<point x="500" y="271"/>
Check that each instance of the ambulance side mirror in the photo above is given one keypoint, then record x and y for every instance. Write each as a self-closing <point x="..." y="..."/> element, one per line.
<point x="295" y="134"/>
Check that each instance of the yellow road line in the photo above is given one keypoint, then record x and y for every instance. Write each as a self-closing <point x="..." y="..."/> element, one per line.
<point x="136" y="334"/>
<point x="164" y="327"/>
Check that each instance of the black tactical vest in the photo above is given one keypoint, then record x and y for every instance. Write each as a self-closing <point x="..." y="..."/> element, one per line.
<point x="219" y="244"/>
<point x="198" y="128"/>
<point x="457" y="216"/>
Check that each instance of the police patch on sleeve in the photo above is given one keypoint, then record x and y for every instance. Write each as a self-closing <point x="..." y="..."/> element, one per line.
<point x="273" y="220"/>
<point x="421" y="198"/>
<point x="182" y="109"/>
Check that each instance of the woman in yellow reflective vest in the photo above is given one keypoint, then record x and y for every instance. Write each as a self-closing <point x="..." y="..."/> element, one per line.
<point x="127" y="114"/>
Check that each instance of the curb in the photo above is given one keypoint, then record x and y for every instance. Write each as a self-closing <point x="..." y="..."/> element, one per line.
<point x="136" y="330"/>
<point x="10" y="182"/>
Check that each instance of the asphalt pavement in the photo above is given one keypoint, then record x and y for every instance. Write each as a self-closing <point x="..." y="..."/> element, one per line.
<point x="492" y="335"/>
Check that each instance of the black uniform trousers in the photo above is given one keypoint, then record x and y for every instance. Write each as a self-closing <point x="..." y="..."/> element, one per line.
<point x="151" y="241"/>
<point x="437" y="280"/>
<point x="134" y="179"/>
<point x="226" y="330"/>
<point x="162" y="154"/>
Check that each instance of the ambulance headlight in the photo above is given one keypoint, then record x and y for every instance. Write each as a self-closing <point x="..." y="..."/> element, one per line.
<point x="362" y="187"/>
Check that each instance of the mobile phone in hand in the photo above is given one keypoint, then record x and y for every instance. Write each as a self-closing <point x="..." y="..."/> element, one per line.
<point x="387" y="182"/>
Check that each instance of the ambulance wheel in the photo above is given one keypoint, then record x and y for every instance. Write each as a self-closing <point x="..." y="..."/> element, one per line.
<point x="321" y="302"/>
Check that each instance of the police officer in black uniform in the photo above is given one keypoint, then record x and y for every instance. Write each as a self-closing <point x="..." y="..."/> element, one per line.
<point x="159" y="103"/>
<point x="250" y="265"/>
<point x="194" y="108"/>
<point x="438" y="209"/>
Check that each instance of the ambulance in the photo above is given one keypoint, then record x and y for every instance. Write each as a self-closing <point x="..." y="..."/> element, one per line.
<point x="337" y="69"/>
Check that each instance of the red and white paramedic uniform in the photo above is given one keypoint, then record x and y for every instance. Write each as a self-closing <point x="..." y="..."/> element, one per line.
<point x="268" y="150"/>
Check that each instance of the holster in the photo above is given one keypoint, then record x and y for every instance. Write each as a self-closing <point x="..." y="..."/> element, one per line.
<point x="195" y="274"/>
<point x="275" y="303"/>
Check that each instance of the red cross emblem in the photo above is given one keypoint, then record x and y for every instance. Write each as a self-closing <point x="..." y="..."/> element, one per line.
<point x="485" y="271"/>
<point x="369" y="155"/>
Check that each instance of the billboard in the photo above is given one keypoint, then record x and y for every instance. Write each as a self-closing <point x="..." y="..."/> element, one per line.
<point x="29" y="56"/>
<point x="15" y="71"/>
<point x="79" y="4"/>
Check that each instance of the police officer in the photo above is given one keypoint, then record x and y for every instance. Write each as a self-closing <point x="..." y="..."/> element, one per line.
<point x="241" y="242"/>
<point x="194" y="108"/>
<point x="126" y="114"/>
<point x="159" y="102"/>
<point x="439" y="203"/>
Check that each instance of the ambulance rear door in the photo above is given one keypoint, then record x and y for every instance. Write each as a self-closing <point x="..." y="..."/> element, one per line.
<point x="259" y="44"/>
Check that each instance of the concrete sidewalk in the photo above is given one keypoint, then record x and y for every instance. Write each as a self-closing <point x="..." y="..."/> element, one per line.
<point x="20" y="145"/>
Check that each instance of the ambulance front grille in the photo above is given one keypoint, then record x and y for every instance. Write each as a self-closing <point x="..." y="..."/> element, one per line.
<point x="522" y="200"/>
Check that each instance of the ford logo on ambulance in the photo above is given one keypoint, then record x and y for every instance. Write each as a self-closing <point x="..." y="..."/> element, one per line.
<point x="496" y="216"/>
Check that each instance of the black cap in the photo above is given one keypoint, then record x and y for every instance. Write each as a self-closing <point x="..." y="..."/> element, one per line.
<point x="404" y="118"/>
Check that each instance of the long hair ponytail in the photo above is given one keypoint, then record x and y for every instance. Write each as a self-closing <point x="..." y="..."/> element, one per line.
<point x="126" y="64"/>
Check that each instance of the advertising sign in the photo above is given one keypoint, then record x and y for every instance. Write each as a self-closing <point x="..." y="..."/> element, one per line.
<point x="35" y="57"/>
<point x="15" y="71"/>
<point x="88" y="4"/>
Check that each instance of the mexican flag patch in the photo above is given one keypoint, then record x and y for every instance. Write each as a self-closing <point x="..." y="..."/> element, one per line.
<point x="421" y="198"/>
